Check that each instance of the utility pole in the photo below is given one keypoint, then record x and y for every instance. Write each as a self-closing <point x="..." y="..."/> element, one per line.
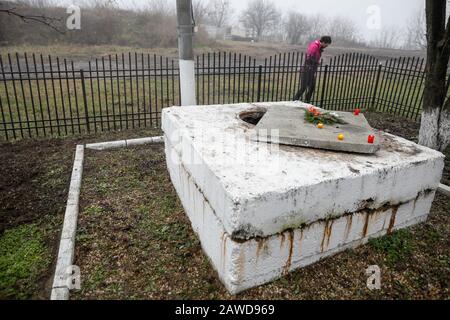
<point x="186" y="52"/>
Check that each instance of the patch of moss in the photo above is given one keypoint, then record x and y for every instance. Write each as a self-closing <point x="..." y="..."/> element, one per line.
<point x="397" y="246"/>
<point x="23" y="257"/>
<point x="95" y="210"/>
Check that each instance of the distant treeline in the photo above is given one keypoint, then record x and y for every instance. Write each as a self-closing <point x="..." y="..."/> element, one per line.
<point x="101" y="24"/>
<point x="153" y="24"/>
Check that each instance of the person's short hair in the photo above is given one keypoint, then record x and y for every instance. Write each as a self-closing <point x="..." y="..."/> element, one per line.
<point x="326" y="39"/>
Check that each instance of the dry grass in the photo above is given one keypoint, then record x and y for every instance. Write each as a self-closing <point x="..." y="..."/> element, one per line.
<point x="257" y="50"/>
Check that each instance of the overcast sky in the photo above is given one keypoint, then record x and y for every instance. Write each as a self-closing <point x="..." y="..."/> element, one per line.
<point x="393" y="13"/>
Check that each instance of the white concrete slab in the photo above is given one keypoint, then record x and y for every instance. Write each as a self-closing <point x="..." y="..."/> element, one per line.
<point x="245" y="264"/>
<point x="258" y="189"/>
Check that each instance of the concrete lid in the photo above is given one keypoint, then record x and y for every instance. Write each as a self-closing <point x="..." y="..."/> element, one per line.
<point x="293" y="129"/>
<point x="265" y="188"/>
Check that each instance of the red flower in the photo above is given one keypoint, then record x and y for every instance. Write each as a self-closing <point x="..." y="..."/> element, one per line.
<point x="314" y="111"/>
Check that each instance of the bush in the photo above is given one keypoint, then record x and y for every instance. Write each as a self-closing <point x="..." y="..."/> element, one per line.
<point x="100" y="25"/>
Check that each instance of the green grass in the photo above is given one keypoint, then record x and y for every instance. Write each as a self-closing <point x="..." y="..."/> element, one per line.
<point x="80" y="52"/>
<point x="95" y="211"/>
<point x="23" y="256"/>
<point x="55" y="103"/>
<point x="397" y="247"/>
<point x="97" y="278"/>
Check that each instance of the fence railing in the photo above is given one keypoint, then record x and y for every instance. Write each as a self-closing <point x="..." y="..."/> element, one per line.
<point x="41" y="96"/>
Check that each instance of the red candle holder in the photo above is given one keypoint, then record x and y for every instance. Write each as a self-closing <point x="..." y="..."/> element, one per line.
<point x="371" y="139"/>
<point x="357" y="112"/>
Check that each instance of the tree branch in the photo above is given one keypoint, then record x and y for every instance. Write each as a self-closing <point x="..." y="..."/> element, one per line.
<point x="42" y="19"/>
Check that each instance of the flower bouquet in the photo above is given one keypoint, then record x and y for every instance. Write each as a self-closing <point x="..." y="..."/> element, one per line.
<point x="314" y="116"/>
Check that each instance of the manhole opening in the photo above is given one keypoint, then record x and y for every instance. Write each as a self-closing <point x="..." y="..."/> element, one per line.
<point x="253" y="116"/>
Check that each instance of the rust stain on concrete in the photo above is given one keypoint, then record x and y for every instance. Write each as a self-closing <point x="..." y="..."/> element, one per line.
<point x="348" y="226"/>
<point x="241" y="265"/>
<point x="366" y="225"/>
<point x="392" y="220"/>
<point x="283" y="238"/>
<point x="300" y="243"/>
<point x="260" y="246"/>
<point x="326" y="235"/>
<point x="291" y="247"/>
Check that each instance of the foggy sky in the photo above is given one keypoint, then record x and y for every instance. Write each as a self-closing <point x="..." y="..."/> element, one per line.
<point x="394" y="13"/>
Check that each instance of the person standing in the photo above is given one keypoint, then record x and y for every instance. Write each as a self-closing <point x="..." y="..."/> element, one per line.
<point x="313" y="56"/>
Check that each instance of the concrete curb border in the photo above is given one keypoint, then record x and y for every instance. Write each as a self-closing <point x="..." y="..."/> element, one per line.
<point x="66" y="251"/>
<point x="60" y="288"/>
<point x="445" y="190"/>
<point x="124" y="143"/>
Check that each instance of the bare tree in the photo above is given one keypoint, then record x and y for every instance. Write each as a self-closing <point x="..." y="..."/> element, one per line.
<point x="40" y="4"/>
<point x="260" y="16"/>
<point x="200" y="11"/>
<point x="435" y="122"/>
<point x="342" y="29"/>
<point x="219" y="12"/>
<point x="317" y="26"/>
<point x="49" y="21"/>
<point x="161" y="7"/>
<point x="296" y="26"/>
<point x="388" y="38"/>
<point x="416" y="31"/>
<point x="94" y="4"/>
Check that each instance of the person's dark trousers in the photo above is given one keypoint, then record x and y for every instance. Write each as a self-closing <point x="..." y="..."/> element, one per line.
<point x="308" y="83"/>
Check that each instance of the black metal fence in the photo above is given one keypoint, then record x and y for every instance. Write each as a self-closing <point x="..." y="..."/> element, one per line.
<point x="41" y="96"/>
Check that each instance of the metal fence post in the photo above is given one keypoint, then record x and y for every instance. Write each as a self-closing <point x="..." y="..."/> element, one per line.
<point x="259" y="82"/>
<point x="83" y="87"/>
<point x="375" y="90"/>
<point x="323" y="86"/>
<point x="395" y="85"/>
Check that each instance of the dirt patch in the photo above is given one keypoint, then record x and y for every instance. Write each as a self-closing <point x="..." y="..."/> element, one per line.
<point x="35" y="176"/>
<point x="407" y="129"/>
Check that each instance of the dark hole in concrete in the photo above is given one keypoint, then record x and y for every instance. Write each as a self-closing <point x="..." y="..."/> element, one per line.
<point x="253" y="116"/>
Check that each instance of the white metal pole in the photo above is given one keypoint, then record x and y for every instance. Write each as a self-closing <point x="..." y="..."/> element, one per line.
<point x="186" y="52"/>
